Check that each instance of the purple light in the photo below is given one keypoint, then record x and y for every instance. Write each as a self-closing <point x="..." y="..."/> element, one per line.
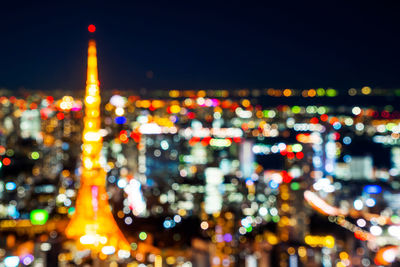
<point x="27" y="259"/>
<point x="228" y="237"/>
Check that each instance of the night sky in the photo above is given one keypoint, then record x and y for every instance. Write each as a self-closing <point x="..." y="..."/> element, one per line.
<point x="202" y="44"/>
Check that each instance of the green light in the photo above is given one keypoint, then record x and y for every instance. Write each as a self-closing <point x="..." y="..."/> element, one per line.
<point x="296" y="109"/>
<point x="390" y="126"/>
<point x="311" y="109"/>
<point x="39" y="216"/>
<point x="249" y="229"/>
<point x="395" y="219"/>
<point x="331" y="92"/>
<point x="269" y="113"/>
<point x="10" y="152"/>
<point x="295" y="186"/>
<point x="142" y="236"/>
<point x="321" y="110"/>
<point x="71" y="210"/>
<point x="134" y="246"/>
<point x="35" y="155"/>
<point x="276" y="218"/>
<point x="320" y="91"/>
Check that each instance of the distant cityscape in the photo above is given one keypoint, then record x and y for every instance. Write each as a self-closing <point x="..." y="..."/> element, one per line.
<point x="207" y="177"/>
<point x="203" y="178"/>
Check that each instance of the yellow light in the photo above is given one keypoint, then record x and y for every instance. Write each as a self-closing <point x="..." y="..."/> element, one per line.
<point x="272" y="239"/>
<point x="201" y="93"/>
<point x="175" y="109"/>
<point x="291" y="250"/>
<point x="343" y="255"/>
<point x="170" y="260"/>
<point x="158" y="261"/>
<point x="329" y="241"/>
<point x="174" y="93"/>
<point x="320" y="241"/>
<point x="302" y="251"/>
<point x="287" y="92"/>
<point x="366" y="90"/>
<point x="245" y="103"/>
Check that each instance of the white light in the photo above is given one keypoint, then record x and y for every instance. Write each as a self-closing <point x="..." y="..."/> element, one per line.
<point x="90" y="99"/>
<point x="177" y="218"/>
<point x="122" y="183"/>
<point x="370" y="202"/>
<point x="92" y="136"/>
<point x="164" y="145"/>
<point x="358" y="204"/>
<point x="394" y="231"/>
<point x="263" y="211"/>
<point x="87" y="239"/>
<point x="359" y="126"/>
<point x="117" y="101"/>
<point x="242" y="230"/>
<point x="11" y="261"/>
<point x="356" y="111"/>
<point x="123" y="254"/>
<point x="119" y="111"/>
<point x="273" y="211"/>
<point x="150" y="128"/>
<point x="375" y="230"/>
<point x="389" y="255"/>
<point x="108" y="250"/>
<point x="361" y="222"/>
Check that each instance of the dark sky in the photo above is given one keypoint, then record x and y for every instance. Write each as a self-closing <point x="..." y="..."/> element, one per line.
<point x="202" y="44"/>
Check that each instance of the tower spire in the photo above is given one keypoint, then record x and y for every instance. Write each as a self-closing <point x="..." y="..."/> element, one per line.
<point x="93" y="224"/>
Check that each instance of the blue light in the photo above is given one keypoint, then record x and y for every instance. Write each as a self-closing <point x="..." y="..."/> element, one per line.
<point x="12" y="211"/>
<point x="120" y="120"/>
<point x="273" y="184"/>
<point x="65" y="146"/>
<point x="10" y="186"/>
<point x="347" y="158"/>
<point x="370" y="202"/>
<point x="337" y="126"/>
<point x="112" y="179"/>
<point x="372" y="189"/>
<point x="167" y="224"/>
<point x="347" y="140"/>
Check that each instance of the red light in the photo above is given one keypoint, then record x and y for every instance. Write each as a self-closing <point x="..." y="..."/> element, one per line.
<point x="60" y="116"/>
<point x="314" y="120"/>
<point x="6" y="161"/>
<point x="206" y="141"/>
<point x="286" y="178"/>
<point x="299" y="155"/>
<point x="324" y="117"/>
<point x="91" y="28"/>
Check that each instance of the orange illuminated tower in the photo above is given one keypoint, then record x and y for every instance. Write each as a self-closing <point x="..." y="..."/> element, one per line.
<point x="93" y="224"/>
